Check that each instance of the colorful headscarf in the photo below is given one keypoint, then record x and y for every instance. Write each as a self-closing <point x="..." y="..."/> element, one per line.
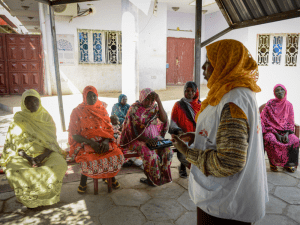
<point x="135" y="125"/>
<point x="278" y="114"/>
<point x="89" y="121"/>
<point x="233" y="67"/>
<point x="144" y="94"/>
<point x="119" y="109"/>
<point x="31" y="128"/>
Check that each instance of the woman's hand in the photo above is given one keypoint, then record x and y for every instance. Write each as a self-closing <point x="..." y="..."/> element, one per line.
<point x="104" y="147"/>
<point x="151" y="141"/>
<point x="279" y="137"/>
<point x="95" y="145"/>
<point x="179" y="144"/>
<point x="285" y="138"/>
<point x="188" y="137"/>
<point x="156" y="97"/>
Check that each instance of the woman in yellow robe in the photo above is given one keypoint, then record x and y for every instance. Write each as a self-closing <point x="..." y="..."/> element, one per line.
<point x="33" y="162"/>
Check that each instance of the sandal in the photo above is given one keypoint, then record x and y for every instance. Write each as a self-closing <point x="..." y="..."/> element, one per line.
<point x="81" y="189"/>
<point x="273" y="168"/>
<point x="116" y="185"/>
<point x="145" y="181"/>
<point x="290" y="169"/>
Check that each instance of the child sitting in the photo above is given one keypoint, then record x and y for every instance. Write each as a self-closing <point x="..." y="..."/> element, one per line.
<point x="116" y="126"/>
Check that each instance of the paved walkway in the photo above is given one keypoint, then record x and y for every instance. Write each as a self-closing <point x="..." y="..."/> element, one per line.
<point x="135" y="203"/>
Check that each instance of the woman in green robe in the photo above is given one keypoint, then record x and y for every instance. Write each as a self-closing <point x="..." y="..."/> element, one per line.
<point x="33" y="162"/>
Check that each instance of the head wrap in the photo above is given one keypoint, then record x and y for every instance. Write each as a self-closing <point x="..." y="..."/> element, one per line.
<point x="121" y="96"/>
<point x="144" y="94"/>
<point x="39" y="124"/>
<point x="89" y="121"/>
<point x="278" y="114"/>
<point x="233" y="67"/>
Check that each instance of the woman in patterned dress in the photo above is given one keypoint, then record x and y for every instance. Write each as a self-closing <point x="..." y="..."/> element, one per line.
<point x="91" y="140"/>
<point x="280" y="142"/>
<point x="144" y="124"/>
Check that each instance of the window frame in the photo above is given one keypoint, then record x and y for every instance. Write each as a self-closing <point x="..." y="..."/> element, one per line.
<point x="105" y="48"/>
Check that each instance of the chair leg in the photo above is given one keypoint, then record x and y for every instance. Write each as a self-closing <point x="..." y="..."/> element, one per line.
<point x="95" y="186"/>
<point x="109" y="182"/>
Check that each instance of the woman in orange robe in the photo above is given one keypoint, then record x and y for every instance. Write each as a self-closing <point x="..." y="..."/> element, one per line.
<point x="91" y="140"/>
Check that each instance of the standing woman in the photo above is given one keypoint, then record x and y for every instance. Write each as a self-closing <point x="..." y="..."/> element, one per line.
<point x="146" y="123"/>
<point x="120" y="109"/>
<point x="281" y="144"/>
<point x="228" y="179"/>
<point x="183" y="119"/>
<point x="33" y="162"/>
<point x="91" y="141"/>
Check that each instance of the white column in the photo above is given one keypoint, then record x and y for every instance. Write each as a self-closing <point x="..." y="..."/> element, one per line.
<point x="47" y="77"/>
<point x="130" y="65"/>
<point x="50" y="49"/>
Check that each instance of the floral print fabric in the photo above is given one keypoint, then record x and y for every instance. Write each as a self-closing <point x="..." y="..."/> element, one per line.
<point x="140" y="120"/>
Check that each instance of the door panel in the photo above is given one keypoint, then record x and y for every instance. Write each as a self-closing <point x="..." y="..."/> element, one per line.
<point x="24" y="63"/>
<point x="180" y="57"/>
<point x="3" y="67"/>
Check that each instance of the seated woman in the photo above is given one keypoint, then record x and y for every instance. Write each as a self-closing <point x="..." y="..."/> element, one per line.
<point x="146" y="123"/>
<point x="91" y="140"/>
<point x="33" y="162"/>
<point x="120" y="109"/>
<point x="183" y="119"/>
<point x="280" y="142"/>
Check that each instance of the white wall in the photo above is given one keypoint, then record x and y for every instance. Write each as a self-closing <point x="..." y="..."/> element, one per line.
<point x="185" y="21"/>
<point x="104" y="77"/>
<point x="152" y="48"/>
<point x="269" y="75"/>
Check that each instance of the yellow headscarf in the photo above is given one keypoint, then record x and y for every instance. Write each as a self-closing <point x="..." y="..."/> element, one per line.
<point x="29" y="130"/>
<point x="233" y="67"/>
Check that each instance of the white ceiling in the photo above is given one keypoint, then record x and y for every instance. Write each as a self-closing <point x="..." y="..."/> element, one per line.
<point x="33" y="26"/>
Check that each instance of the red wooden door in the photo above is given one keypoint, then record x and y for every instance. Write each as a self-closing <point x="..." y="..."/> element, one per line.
<point x="180" y="58"/>
<point x="24" y="63"/>
<point x="3" y="67"/>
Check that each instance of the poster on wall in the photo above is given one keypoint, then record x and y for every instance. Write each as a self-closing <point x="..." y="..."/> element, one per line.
<point x="65" y="48"/>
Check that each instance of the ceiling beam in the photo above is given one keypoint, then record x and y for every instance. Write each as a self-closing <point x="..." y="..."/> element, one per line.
<point x="4" y="5"/>
<point x="62" y="2"/>
<point x="24" y="13"/>
<point x="268" y="19"/>
<point x="224" y="12"/>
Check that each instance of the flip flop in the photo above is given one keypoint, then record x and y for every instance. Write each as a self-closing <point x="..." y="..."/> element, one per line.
<point x="273" y="168"/>
<point x="290" y="169"/>
<point x="81" y="190"/>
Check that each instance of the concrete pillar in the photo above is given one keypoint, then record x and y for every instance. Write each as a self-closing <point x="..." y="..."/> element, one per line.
<point x="130" y="64"/>
<point x="47" y="75"/>
<point x="50" y="49"/>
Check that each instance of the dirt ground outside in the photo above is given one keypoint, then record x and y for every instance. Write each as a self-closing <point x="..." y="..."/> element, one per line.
<point x="171" y="93"/>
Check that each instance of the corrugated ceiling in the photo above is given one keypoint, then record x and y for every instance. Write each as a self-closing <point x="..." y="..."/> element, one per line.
<point x="249" y="12"/>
